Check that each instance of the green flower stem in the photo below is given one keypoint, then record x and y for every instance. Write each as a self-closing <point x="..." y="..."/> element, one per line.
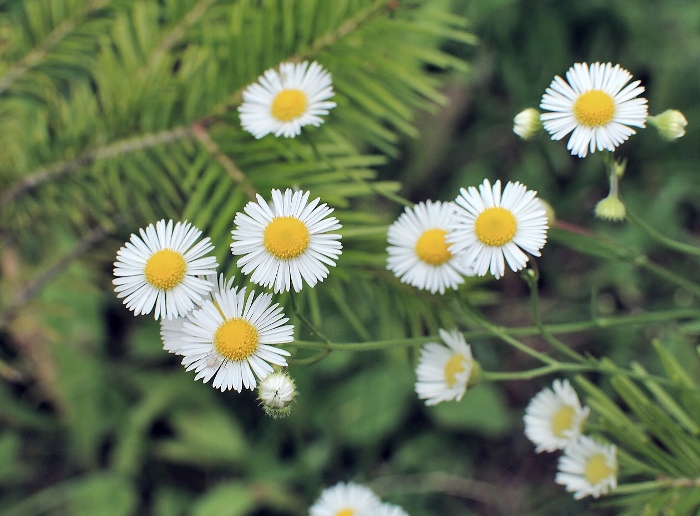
<point x="655" y="485"/>
<point x="310" y="360"/>
<point x="326" y="344"/>
<point x="668" y="242"/>
<point x="499" y="376"/>
<point x="662" y="272"/>
<point x="531" y="276"/>
<point x="372" y="187"/>
<point x="522" y="331"/>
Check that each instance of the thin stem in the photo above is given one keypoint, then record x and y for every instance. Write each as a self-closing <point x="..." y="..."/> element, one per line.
<point x="499" y="376"/>
<point x="531" y="276"/>
<point x="668" y="242"/>
<point x="310" y="360"/>
<point x="662" y="272"/>
<point x="295" y="306"/>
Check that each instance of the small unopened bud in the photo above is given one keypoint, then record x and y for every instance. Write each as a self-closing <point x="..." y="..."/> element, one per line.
<point x="548" y="212"/>
<point x="610" y="208"/>
<point x="527" y="124"/>
<point x="670" y="124"/>
<point x="276" y="393"/>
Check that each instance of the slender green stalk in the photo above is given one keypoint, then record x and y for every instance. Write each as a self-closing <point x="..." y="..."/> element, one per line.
<point x="662" y="272"/>
<point x="661" y="238"/>
<point x="531" y="276"/>
<point x="326" y="341"/>
<point x="499" y="376"/>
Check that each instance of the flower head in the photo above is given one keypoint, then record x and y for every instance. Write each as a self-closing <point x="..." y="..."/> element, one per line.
<point x="160" y="269"/>
<point x="527" y="124"/>
<point x="286" y="241"/>
<point x="276" y="392"/>
<point x="231" y="337"/>
<point x="596" y="105"/>
<point x="489" y="228"/>
<point x="670" y="124"/>
<point x="588" y="467"/>
<point x="554" y="417"/>
<point x="283" y="102"/>
<point x="418" y="252"/>
<point x="444" y="371"/>
<point x="387" y="509"/>
<point x="346" y="500"/>
<point x="611" y="208"/>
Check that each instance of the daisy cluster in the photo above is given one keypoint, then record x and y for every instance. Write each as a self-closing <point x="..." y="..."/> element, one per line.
<point x="554" y="419"/>
<point x="350" y="499"/>
<point x="224" y="333"/>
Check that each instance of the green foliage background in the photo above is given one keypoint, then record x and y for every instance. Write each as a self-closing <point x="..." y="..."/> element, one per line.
<point x="114" y="114"/>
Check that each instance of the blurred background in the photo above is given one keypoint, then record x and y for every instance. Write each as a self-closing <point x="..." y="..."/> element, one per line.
<point x="96" y="419"/>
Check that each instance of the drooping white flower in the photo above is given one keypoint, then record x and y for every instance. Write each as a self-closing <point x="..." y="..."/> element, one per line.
<point x="443" y="371"/>
<point x="588" y="467"/>
<point x="554" y="417"/>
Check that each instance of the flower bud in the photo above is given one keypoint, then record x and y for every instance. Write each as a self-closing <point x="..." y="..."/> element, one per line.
<point x="610" y="208"/>
<point x="276" y="393"/>
<point x="527" y="124"/>
<point x="670" y="124"/>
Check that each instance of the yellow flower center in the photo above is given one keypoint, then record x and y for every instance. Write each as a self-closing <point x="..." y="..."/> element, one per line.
<point x="495" y="226"/>
<point x="594" y="108"/>
<point x="345" y="512"/>
<point x="454" y="366"/>
<point x="563" y="420"/>
<point x="236" y="339"/>
<point x="432" y="248"/>
<point x="597" y="470"/>
<point x="286" y="237"/>
<point x="288" y="105"/>
<point x="165" y="269"/>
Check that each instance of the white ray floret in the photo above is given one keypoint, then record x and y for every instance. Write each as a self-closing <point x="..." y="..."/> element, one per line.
<point x="287" y="242"/>
<point x="596" y="105"/>
<point x="443" y="371"/>
<point x="233" y="339"/>
<point x="588" y="468"/>
<point x="283" y="102"/>
<point x="418" y="252"/>
<point x="554" y="417"/>
<point x="490" y="228"/>
<point x="160" y="270"/>
<point x="346" y="500"/>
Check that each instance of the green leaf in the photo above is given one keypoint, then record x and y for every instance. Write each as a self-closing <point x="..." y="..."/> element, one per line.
<point x="483" y="409"/>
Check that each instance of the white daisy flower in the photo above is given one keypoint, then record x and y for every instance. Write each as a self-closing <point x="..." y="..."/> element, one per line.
<point x="387" y="509"/>
<point x="171" y="330"/>
<point x="232" y="337"/>
<point x="443" y="371"/>
<point x="346" y="500"/>
<point x="588" y="467"/>
<point x="286" y="241"/>
<point x="418" y="252"/>
<point x="596" y="105"/>
<point x="160" y="269"/>
<point x="488" y="226"/>
<point x="283" y="102"/>
<point x="554" y="417"/>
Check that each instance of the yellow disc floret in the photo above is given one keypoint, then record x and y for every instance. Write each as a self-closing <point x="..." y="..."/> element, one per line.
<point x="286" y="237"/>
<point x="236" y="339"/>
<point x="165" y="269"/>
<point x="597" y="469"/>
<point x="594" y="108"/>
<point x="457" y="364"/>
<point x="495" y="226"/>
<point x="345" y="512"/>
<point x="563" y="420"/>
<point x="288" y="105"/>
<point x="432" y="248"/>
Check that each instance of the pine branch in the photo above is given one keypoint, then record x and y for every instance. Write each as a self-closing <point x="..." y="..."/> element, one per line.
<point x="36" y="56"/>
<point x="57" y="170"/>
